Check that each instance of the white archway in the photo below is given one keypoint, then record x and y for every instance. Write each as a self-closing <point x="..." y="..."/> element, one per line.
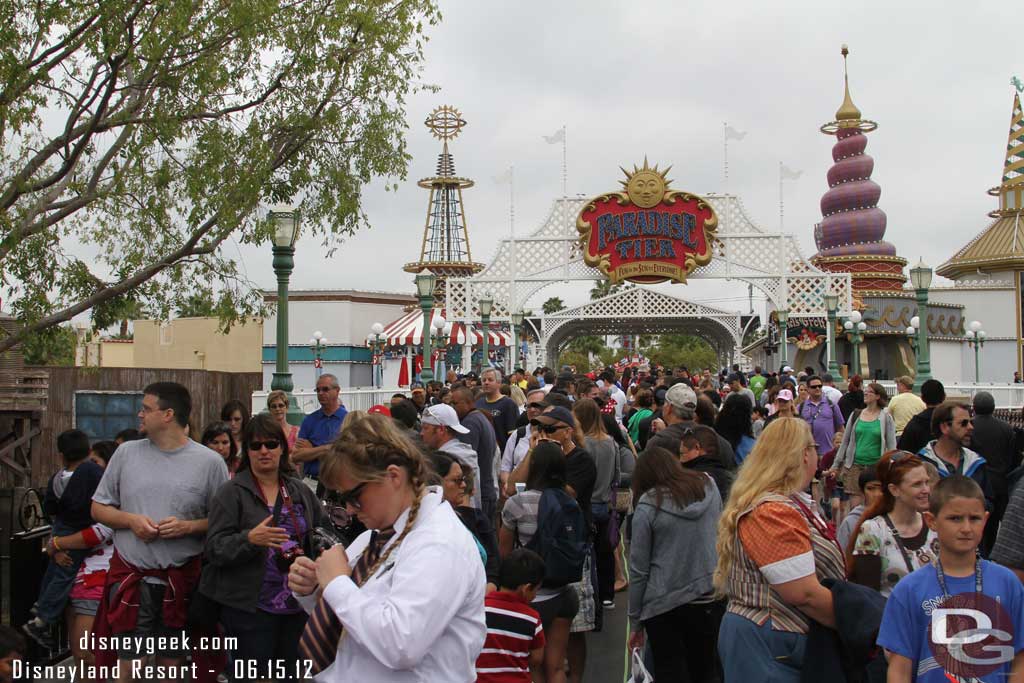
<point x="771" y="262"/>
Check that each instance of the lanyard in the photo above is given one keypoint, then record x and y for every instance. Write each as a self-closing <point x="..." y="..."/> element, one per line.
<point x="941" y="576"/>
<point x="283" y="500"/>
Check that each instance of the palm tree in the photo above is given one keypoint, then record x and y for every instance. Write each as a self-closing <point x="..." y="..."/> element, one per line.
<point x="603" y="288"/>
<point x="553" y="305"/>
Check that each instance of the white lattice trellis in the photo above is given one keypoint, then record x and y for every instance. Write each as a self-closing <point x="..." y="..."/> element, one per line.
<point x="771" y="262"/>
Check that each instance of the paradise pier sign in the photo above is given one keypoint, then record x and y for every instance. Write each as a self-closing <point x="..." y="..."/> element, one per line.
<point x="649" y="233"/>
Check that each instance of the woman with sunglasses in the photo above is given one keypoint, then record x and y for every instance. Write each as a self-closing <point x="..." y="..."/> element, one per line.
<point x="891" y="540"/>
<point x="258" y="523"/>
<point x="405" y="601"/>
<point x="457" y="486"/>
<point x="217" y="437"/>
<point x="277" y="406"/>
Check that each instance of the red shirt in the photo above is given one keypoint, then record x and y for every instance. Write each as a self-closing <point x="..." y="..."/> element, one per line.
<point x="513" y="631"/>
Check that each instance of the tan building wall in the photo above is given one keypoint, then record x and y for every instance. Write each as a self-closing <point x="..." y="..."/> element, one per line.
<point x="197" y="343"/>
<point x="117" y="354"/>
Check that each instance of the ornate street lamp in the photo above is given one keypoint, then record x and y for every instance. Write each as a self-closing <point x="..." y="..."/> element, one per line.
<point x="855" y="327"/>
<point x="376" y="341"/>
<point x="783" y="317"/>
<point x="442" y="330"/>
<point x="286" y="232"/>
<point x="317" y="344"/>
<point x="517" y="323"/>
<point x="486" y="304"/>
<point x="921" y="279"/>
<point x="831" y="305"/>
<point x="425" y="282"/>
<point x="975" y="339"/>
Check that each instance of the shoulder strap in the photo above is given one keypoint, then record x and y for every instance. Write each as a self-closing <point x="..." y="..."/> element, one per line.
<point x="899" y="542"/>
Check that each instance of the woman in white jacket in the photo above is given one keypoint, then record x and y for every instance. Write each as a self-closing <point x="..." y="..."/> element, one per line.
<point x="398" y="622"/>
<point x="870" y="433"/>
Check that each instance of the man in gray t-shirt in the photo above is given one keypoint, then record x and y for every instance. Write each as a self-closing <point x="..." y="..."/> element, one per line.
<point x="160" y="485"/>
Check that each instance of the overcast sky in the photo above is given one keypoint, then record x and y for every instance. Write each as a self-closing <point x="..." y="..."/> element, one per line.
<point x="659" y="79"/>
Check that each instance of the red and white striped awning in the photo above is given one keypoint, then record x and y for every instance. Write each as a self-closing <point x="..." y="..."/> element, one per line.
<point x="408" y="331"/>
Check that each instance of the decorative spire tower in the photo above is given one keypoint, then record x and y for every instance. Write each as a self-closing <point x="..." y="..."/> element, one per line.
<point x="1011" y="190"/>
<point x="849" y="236"/>
<point x="445" y="247"/>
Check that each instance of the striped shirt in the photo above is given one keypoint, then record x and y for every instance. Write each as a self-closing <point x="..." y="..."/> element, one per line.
<point x="513" y="631"/>
<point x="777" y="544"/>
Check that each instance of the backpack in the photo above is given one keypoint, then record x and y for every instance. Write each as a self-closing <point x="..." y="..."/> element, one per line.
<point x="561" y="538"/>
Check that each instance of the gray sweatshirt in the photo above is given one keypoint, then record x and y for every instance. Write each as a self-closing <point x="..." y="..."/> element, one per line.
<point x="672" y="557"/>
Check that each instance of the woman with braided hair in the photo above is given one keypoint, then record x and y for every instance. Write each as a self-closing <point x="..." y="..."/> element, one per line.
<point x="377" y="610"/>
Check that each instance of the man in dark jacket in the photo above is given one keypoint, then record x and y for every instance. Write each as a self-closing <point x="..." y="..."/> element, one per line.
<point x="699" y="451"/>
<point x="994" y="440"/>
<point x="678" y="417"/>
<point x="918" y="431"/>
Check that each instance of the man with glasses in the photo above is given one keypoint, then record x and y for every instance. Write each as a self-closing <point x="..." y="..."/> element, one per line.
<point x="156" y="494"/>
<point x="952" y="427"/>
<point x="824" y="416"/>
<point x="440" y="429"/>
<point x="319" y="429"/>
<point x="518" y="444"/>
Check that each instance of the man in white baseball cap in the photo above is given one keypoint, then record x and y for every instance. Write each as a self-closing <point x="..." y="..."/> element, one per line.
<point x="439" y="425"/>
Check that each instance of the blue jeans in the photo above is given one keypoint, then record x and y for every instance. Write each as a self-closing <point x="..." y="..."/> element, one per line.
<point x="57" y="581"/>
<point x="749" y="652"/>
<point x="264" y="638"/>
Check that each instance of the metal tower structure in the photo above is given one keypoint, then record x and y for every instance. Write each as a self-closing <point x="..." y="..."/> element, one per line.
<point x="445" y="247"/>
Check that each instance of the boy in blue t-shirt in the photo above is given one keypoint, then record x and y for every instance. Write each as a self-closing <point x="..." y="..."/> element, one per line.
<point x="962" y="618"/>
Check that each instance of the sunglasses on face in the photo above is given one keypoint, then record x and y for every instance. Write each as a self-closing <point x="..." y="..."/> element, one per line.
<point x="324" y="390"/>
<point x="351" y="497"/>
<point x="536" y="406"/>
<point x="548" y="429"/>
<point x="814" y="386"/>
<point x="961" y="423"/>
<point x="271" y="444"/>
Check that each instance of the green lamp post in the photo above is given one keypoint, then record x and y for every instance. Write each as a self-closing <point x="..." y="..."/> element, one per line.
<point x="976" y="339"/>
<point x="517" y="323"/>
<point x="855" y="327"/>
<point x="486" y="304"/>
<point x="286" y="232"/>
<point x="425" y="282"/>
<point x="921" y="279"/>
<point x="783" y="317"/>
<point x="831" y="305"/>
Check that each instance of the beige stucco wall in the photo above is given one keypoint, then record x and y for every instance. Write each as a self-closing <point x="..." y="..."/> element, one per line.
<point x="197" y="343"/>
<point x="117" y="354"/>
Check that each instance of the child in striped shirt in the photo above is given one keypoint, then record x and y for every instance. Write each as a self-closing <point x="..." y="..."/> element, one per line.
<point x="515" y="638"/>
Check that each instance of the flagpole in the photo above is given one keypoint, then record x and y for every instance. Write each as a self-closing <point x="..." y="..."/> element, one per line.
<point x="781" y="224"/>
<point x="565" y="165"/>
<point x="725" y="154"/>
<point x="513" y="266"/>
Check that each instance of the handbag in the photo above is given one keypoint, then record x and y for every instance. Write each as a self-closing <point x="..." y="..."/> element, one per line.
<point x="638" y="673"/>
<point x="623" y="501"/>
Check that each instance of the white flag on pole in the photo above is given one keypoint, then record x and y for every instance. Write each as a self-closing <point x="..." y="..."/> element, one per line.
<point x="505" y="178"/>
<point x="733" y="134"/>
<point x="789" y="174"/>
<point x="559" y="136"/>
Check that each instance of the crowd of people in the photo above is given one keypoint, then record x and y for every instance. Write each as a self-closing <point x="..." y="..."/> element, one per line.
<point x="762" y="526"/>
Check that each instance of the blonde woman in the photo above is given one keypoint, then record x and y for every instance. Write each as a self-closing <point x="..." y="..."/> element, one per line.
<point x="277" y="406"/>
<point x="517" y="395"/>
<point x="378" y="610"/>
<point x="605" y="452"/>
<point x="774" y="548"/>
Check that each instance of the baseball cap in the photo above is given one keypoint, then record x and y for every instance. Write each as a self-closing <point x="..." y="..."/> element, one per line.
<point x="787" y="369"/>
<point x="442" y="415"/>
<point x="735" y="377"/>
<point x="784" y="395"/>
<point x="556" y="415"/>
<point x="379" y="410"/>
<point x="681" y="395"/>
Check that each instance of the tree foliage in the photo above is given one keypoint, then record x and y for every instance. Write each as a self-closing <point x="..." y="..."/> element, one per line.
<point x="674" y="350"/>
<point x="140" y="135"/>
<point x="603" y="288"/>
<point x="553" y="305"/>
<point x="53" y="346"/>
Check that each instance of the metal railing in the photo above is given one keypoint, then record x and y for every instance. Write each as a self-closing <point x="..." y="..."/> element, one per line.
<point x="356" y="398"/>
<point x="1007" y="396"/>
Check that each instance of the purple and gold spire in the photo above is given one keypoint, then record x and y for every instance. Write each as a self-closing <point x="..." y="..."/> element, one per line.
<point x="850" y="235"/>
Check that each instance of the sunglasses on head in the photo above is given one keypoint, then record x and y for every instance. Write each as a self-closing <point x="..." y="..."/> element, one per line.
<point x="351" y="497"/>
<point x="271" y="444"/>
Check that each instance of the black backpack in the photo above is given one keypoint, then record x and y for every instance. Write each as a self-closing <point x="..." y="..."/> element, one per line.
<point x="561" y="538"/>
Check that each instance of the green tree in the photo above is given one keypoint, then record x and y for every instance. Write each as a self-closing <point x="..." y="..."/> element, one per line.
<point x="553" y="305"/>
<point x="53" y="346"/>
<point x="674" y="350"/>
<point x="139" y="136"/>
<point x="603" y="288"/>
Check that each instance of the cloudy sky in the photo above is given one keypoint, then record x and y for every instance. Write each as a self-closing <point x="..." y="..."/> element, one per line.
<point x="660" y="78"/>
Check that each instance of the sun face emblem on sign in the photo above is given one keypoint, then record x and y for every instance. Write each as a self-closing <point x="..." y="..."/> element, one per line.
<point x="649" y="233"/>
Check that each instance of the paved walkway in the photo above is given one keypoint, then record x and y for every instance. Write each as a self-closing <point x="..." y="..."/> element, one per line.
<point x="606" y="651"/>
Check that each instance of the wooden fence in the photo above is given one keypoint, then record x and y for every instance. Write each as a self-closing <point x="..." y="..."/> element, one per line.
<point x="210" y="390"/>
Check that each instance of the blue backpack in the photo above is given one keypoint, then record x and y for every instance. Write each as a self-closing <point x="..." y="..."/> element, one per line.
<point x="561" y="538"/>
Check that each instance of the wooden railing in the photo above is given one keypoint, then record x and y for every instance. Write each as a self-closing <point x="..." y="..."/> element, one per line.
<point x="24" y="390"/>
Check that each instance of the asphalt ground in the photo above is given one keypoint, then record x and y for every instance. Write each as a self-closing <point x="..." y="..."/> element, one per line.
<point x="606" y="651"/>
